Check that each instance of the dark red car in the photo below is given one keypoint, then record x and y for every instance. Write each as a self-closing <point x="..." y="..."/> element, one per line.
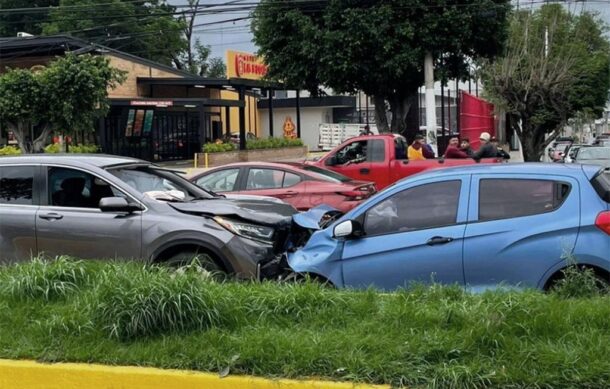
<point x="301" y="185"/>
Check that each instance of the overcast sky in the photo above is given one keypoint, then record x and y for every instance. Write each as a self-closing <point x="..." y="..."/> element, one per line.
<point x="236" y="35"/>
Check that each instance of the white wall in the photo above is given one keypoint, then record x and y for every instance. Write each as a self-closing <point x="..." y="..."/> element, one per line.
<point x="310" y="120"/>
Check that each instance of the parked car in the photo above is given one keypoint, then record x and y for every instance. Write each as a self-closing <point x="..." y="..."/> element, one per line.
<point x="559" y="148"/>
<point x="572" y="151"/>
<point x="594" y="155"/>
<point x="301" y="185"/>
<point x="115" y="207"/>
<point x="477" y="226"/>
<point x="382" y="159"/>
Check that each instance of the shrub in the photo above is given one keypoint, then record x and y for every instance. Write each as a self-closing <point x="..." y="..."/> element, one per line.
<point x="218" y="147"/>
<point x="77" y="149"/>
<point x="10" y="150"/>
<point x="44" y="279"/>
<point x="253" y="144"/>
<point x="272" y="143"/>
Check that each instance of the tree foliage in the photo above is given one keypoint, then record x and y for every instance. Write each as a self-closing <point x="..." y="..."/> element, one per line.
<point x="67" y="95"/>
<point x="12" y="23"/>
<point x="556" y="66"/>
<point x="196" y="59"/>
<point x="375" y="46"/>
<point x="144" y="28"/>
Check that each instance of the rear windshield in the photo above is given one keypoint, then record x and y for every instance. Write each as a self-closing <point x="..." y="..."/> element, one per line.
<point x="594" y="153"/>
<point x="326" y="175"/>
<point x="601" y="183"/>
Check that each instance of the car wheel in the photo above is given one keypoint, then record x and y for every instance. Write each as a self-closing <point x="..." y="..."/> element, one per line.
<point x="201" y="263"/>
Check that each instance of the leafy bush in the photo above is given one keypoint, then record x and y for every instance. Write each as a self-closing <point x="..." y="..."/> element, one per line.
<point x="53" y="148"/>
<point x="272" y="143"/>
<point x="44" y="279"/>
<point x="84" y="149"/>
<point x="10" y="150"/>
<point x="253" y="144"/>
<point x="218" y="147"/>
<point x="77" y="149"/>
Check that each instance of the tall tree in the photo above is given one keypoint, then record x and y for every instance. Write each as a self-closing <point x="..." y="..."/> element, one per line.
<point x="148" y="29"/>
<point x="31" y="22"/>
<point x="375" y="46"/>
<point x="65" y="96"/>
<point x="556" y="66"/>
<point x="196" y="59"/>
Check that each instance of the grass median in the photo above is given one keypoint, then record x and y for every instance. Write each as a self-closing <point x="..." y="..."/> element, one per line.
<point x="128" y="314"/>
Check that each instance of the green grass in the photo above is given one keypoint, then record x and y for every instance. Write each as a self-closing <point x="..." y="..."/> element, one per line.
<point x="124" y="313"/>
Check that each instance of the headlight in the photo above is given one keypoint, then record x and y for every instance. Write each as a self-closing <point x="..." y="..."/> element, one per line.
<point x="251" y="231"/>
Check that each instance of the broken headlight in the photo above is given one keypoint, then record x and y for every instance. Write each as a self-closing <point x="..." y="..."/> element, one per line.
<point x="251" y="231"/>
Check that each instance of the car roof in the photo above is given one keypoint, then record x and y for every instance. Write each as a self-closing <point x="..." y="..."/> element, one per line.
<point x="96" y="160"/>
<point x="516" y="168"/>
<point x="277" y="165"/>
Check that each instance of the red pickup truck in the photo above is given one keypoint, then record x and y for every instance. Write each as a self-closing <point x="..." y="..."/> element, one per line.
<point x="382" y="159"/>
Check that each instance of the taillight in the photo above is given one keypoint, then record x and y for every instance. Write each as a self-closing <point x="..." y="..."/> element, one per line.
<point x="353" y="195"/>
<point x="603" y="222"/>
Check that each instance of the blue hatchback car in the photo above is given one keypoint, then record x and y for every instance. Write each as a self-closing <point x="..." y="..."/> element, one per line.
<point x="480" y="227"/>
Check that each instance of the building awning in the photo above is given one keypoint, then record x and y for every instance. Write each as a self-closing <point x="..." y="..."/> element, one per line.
<point x="310" y="102"/>
<point x="175" y="102"/>
<point x="217" y="83"/>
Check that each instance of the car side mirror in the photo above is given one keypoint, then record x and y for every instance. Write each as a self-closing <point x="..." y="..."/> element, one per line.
<point x="117" y="204"/>
<point x="347" y="229"/>
<point x="331" y="161"/>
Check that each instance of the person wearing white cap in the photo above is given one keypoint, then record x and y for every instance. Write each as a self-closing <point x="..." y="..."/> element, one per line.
<point x="487" y="149"/>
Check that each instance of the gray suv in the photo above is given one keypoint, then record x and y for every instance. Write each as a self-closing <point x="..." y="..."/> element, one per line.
<point x="100" y="206"/>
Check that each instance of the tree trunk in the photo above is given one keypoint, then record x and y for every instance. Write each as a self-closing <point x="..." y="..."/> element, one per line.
<point x="21" y="130"/>
<point x="381" y="117"/>
<point x="40" y="142"/>
<point x="400" y="104"/>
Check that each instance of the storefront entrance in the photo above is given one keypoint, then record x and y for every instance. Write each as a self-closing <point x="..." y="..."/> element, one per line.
<point x="155" y="134"/>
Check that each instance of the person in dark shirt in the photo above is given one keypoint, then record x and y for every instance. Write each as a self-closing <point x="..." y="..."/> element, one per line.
<point x="453" y="150"/>
<point x="427" y="150"/>
<point x="501" y="153"/>
<point x="465" y="147"/>
<point x="487" y="149"/>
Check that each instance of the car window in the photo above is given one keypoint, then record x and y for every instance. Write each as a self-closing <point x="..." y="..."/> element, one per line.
<point x="78" y="189"/>
<point x="220" y="181"/>
<point x="376" y="150"/>
<point x="291" y="179"/>
<point x="264" y="179"/>
<point x="354" y="152"/>
<point x="325" y="174"/>
<point x="594" y="153"/>
<point x="424" y="206"/>
<point x="509" y="198"/>
<point x="159" y="184"/>
<point x="16" y="184"/>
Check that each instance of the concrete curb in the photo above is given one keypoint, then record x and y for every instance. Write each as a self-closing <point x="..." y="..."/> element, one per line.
<point x="31" y="374"/>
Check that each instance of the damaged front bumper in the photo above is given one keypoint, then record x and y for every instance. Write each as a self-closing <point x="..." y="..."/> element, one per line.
<point x="303" y="226"/>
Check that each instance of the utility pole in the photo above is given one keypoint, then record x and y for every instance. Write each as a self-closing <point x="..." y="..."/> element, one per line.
<point x="430" y="99"/>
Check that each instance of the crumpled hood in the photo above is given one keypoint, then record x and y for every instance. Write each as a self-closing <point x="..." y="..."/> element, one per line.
<point x="314" y="218"/>
<point x="261" y="212"/>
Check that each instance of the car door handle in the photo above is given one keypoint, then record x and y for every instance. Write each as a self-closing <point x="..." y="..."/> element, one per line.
<point x="438" y="240"/>
<point x="51" y="216"/>
<point x="365" y="171"/>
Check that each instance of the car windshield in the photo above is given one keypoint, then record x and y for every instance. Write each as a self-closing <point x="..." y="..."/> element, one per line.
<point x="159" y="184"/>
<point x="594" y="153"/>
<point x="326" y="175"/>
